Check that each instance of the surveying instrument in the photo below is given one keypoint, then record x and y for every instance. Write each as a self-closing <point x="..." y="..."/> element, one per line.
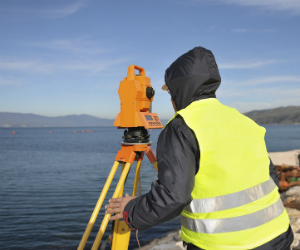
<point x="136" y="96"/>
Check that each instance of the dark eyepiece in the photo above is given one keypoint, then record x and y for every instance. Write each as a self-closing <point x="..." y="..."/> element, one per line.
<point x="150" y="92"/>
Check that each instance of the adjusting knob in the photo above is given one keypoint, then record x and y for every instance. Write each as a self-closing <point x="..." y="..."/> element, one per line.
<point x="150" y="92"/>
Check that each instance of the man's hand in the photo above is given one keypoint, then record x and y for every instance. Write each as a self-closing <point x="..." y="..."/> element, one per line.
<point x="117" y="205"/>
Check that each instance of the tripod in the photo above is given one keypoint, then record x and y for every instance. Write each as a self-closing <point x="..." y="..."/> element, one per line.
<point x="129" y="153"/>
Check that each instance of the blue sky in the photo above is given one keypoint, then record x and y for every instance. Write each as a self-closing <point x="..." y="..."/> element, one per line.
<point x="68" y="57"/>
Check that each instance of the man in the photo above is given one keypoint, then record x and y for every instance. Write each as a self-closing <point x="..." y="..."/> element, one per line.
<point x="213" y="169"/>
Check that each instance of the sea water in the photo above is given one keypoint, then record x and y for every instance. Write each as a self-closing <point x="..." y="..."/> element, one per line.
<point x="50" y="183"/>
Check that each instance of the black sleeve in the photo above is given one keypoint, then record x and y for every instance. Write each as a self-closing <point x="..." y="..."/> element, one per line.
<point x="178" y="161"/>
<point x="273" y="173"/>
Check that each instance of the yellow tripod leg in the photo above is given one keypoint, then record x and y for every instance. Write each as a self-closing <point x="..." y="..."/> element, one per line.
<point x="137" y="177"/>
<point x="120" y="194"/>
<point x="155" y="166"/>
<point x="106" y="217"/>
<point x="121" y="235"/>
<point x="98" y="206"/>
<point x="116" y="222"/>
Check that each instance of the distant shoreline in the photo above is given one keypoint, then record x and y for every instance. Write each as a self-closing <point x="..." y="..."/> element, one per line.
<point x="95" y="126"/>
<point x="61" y="126"/>
<point x="277" y="116"/>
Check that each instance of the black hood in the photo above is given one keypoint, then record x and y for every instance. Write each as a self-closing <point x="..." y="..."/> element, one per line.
<point x="193" y="76"/>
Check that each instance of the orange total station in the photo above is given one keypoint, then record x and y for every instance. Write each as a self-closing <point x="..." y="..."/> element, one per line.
<point x="136" y="96"/>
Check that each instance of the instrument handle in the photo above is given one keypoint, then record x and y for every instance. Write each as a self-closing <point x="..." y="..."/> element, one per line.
<point x="131" y="72"/>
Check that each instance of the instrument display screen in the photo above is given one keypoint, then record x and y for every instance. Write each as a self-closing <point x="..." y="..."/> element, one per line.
<point x="149" y="118"/>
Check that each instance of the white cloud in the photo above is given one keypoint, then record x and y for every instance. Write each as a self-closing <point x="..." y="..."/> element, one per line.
<point x="244" y="107"/>
<point x="247" y="96"/>
<point x="246" y="65"/>
<point x="8" y="81"/>
<point x="43" y="9"/>
<point x="77" y="46"/>
<point x="249" y="106"/>
<point x="286" y="91"/>
<point x="61" y="11"/>
<point x="90" y="67"/>
<point x="272" y="79"/>
<point x="239" y="30"/>
<point x="33" y="66"/>
<point x="260" y="98"/>
<point x="292" y="6"/>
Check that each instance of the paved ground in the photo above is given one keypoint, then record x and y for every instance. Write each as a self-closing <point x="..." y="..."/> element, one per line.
<point x="288" y="157"/>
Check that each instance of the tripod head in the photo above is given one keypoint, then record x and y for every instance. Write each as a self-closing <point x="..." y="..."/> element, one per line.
<point x="136" y="96"/>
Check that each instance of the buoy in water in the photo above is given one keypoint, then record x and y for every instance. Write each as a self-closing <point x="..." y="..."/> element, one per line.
<point x="82" y="131"/>
<point x="74" y="131"/>
<point x="87" y="131"/>
<point x="13" y="132"/>
<point x="50" y="132"/>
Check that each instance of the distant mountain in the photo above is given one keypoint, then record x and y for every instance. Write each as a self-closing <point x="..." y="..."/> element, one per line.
<point x="31" y="120"/>
<point x="281" y="115"/>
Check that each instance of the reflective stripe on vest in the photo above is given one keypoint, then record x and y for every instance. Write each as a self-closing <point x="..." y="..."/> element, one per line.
<point x="233" y="200"/>
<point x="213" y="226"/>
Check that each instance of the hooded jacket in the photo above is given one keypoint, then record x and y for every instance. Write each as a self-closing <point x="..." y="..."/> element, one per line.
<point x="193" y="76"/>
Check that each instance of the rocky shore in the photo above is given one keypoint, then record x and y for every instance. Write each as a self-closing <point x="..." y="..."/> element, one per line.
<point x="290" y="198"/>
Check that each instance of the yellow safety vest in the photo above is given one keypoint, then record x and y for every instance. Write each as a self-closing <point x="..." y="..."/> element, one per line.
<point x="236" y="205"/>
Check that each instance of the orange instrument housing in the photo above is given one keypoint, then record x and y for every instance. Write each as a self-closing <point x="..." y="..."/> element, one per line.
<point x="136" y="106"/>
